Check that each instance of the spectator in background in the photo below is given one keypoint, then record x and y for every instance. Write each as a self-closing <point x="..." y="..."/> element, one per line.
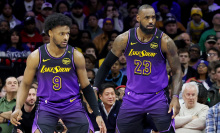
<point x="93" y="26"/>
<point x="21" y="7"/>
<point x="213" y="93"/>
<point x="109" y="107"/>
<point x="37" y="6"/>
<point x="213" y="55"/>
<point x="115" y="75"/>
<point x="160" y="25"/>
<point x="4" y="32"/>
<point x="212" y="119"/>
<point x="91" y="49"/>
<point x="184" y="60"/>
<point x="121" y="90"/>
<point x="85" y="37"/>
<point x="132" y="12"/>
<point x="197" y="25"/>
<point x="45" y="38"/>
<point x="194" y="54"/>
<point x="46" y="10"/>
<point x="111" y="12"/>
<point x="202" y="73"/>
<point x="192" y="115"/>
<point x="28" y="113"/>
<point x="209" y="43"/>
<point x="7" y="14"/>
<point x="62" y="7"/>
<point x="101" y="39"/>
<point x="92" y="7"/>
<point x="77" y="14"/>
<point x="30" y="34"/>
<point x="91" y="76"/>
<point x="216" y="28"/>
<point x="90" y="62"/>
<point x="74" y="39"/>
<point x="15" y="48"/>
<point x="170" y="27"/>
<point x="186" y="38"/>
<point x="7" y="103"/>
<point x="218" y="44"/>
<point x="212" y="74"/>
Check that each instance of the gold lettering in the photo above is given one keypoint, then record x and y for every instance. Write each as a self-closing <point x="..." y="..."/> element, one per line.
<point x="54" y="69"/>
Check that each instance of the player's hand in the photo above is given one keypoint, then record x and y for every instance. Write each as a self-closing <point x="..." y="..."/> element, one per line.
<point x="19" y="131"/>
<point x="16" y="116"/>
<point x="101" y="124"/>
<point x="174" y="104"/>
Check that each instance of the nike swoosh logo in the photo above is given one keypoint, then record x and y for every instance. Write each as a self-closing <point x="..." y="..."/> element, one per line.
<point x="133" y="43"/>
<point x="45" y="60"/>
<point x="72" y="100"/>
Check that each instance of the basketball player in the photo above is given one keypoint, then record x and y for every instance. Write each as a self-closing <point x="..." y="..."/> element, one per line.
<point x="58" y="67"/>
<point x="146" y="49"/>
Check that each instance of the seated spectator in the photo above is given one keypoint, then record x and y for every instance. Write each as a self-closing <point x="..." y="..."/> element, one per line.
<point x="101" y="39"/>
<point x="90" y="62"/>
<point x="90" y="49"/>
<point x="30" y="34"/>
<point x="209" y="43"/>
<point x="194" y="54"/>
<point x="160" y="25"/>
<point x="76" y="13"/>
<point x="74" y="39"/>
<point x="4" y="32"/>
<point x="192" y="115"/>
<point x="109" y="107"/>
<point x="184" y="60"/>
<point x="45" y="38"/>
<point x="218" y="44"/>
<point x="7" y="103"/>
<point x="85" y="37"/>
<point x="186" y="38"/>
<point x="170" y="27"/>
<point x="115" y="75"/>
<point x="92" y="7"/>
<point x="7" y="14"/>
<point x="213" y="6"/>
<point x="197" y="25"/>
<point x="93" y="26"/>
<point x="46" y="10"/>
<point x="111" y="12"/>
<point x="213" y="55"/>
<point x="15" y="48"/>
<point x="132" y="12"/>
<point x="213" y="93"/>
<point x="216" y="27"/>
<point x="202" y="74"/>
<point x="211" y="72"/>
<point x="62" y="7"/>
<point x="212" y="119"/>
<point x="28" y="113"/>
<point x="91" y="76"/>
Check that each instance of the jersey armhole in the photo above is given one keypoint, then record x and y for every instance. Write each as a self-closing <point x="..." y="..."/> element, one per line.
<point x="39" y="58"/>
<point x="73" y="63"/>
<point x="128" y="41"/>
<point x="160" y="45"/>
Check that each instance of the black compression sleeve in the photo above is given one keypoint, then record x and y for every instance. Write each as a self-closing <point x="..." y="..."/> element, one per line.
<point x="91" y="99"/>
<point x="104" y="69"/>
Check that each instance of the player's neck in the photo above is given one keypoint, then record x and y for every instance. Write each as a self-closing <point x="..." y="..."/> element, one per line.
<point x="142" y="36"/>
<point x="28" y="108"/>
<point x="54" y="50"/>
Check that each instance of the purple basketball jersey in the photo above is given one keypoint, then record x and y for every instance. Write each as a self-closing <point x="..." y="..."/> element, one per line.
<point x="57" y="78"/>
<point x="146" y="65"/>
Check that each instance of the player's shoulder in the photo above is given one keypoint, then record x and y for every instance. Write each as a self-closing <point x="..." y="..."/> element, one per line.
<point x="165" y="38"/>
<point x="78" y="54"/>
<point x="123" y="37"/>
<point x="33" y="59"/>
<point x="34" y="54"/>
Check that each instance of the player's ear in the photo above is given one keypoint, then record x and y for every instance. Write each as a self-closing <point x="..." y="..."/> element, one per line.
<point x="50" y="33"/>
<point x="138" y="18"/>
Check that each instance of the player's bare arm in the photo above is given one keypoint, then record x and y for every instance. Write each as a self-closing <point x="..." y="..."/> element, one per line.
<point x="169" y="48"/>
<point x="81" y="69"/>
<point x="29" y="73"/>
<point x="120" y="44"/>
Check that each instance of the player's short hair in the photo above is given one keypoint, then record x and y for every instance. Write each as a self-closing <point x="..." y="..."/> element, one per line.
<point x="145" y="6"/>
<point x="56" y="19"/>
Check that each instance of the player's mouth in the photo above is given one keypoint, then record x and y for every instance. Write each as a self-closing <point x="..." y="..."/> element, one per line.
<point x="64" y="43"/>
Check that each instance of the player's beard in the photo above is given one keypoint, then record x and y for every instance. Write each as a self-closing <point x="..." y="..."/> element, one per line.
<point x="147" y="31"/>
<point x="57" y="44"/>
<point x="30" y="104"/>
